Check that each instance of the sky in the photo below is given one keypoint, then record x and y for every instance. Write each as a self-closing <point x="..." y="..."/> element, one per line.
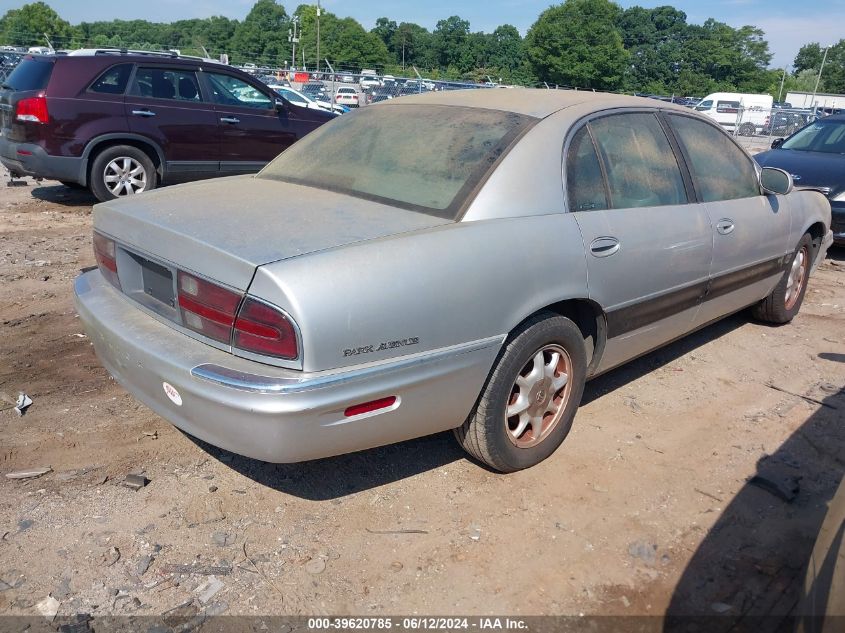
<point x="786" y="24"/>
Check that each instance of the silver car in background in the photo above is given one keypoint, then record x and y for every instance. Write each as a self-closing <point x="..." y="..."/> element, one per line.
<point x="470" y="261"/>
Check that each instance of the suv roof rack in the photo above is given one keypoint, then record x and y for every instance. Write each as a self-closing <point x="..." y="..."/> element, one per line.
<point x="127" y="51"/>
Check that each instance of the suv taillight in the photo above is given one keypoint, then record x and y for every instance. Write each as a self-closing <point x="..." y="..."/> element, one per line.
<point x="227" y="316"/>
<point x="33" y="109"/>
<point x="105" y="253"/>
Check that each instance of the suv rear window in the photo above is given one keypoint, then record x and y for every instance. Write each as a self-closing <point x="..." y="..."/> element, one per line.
<point x="30" y="74"/>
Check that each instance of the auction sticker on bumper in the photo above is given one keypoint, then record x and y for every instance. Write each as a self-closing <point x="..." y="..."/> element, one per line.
<point x="171" y="392"/>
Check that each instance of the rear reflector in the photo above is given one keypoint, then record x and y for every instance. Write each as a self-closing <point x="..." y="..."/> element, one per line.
<point x="263" y="329"/>
<point x="33" y="109"/>
<point x="105" y="253"/>
<point x="369" y="407"/>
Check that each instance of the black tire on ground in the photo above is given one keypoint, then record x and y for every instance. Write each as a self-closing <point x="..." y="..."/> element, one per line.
<point x="489" y="434"/>
<point x="747" y="129"/>
<point x="785" y="300"/>
<point x="72" y="185"/>
<point x="110" y="163"/>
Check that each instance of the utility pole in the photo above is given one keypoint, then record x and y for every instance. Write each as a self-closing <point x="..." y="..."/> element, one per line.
<point x="293" y="38"/>
<point x="782" y="79"/>
<point x="818" y="79"/>
<point x="318" y="35"/>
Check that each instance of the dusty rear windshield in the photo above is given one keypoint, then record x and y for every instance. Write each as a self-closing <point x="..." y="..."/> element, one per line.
<point x="426" y="158"/>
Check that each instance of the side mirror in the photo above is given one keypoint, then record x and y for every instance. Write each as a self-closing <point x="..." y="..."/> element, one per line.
<point x="774" y="180"/>
<point x="777" y="143"/>
<point x="281" y="104"/>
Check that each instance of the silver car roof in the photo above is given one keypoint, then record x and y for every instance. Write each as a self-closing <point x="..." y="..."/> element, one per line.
<point x="529" y="101"/>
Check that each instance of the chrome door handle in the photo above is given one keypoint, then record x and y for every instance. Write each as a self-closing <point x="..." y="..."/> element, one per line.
<point x="725" y="226"/>
<point x="143" y="113"/>
<point x="604" y="246"/>
<point x="229" y="119"/>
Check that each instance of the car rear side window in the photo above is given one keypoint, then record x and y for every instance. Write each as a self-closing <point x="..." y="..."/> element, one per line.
<point x="720" y="169"/>
<point x="164" y="83"/>
<point x="113" y="81"/>
<point x="30" y="74"/>
<point x="641" y="167"/>
<point x="584" y="181"/>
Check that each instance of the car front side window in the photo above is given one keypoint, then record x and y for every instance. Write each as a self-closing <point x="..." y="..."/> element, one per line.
<point x="231" y="91"/>
<point x="720" y="169"/>
<point x="639" y="162"/>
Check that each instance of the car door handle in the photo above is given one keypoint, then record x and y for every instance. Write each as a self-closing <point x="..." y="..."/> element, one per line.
<point x="604" y="246"/>
<point x="143" y="113"/>
<point x="229" y="119"/>
<point x="725" y="226"/>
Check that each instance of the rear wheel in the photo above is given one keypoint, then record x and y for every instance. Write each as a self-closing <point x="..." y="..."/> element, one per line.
<point x="747" y="129"/>
<point x="784" y="302"/>
<point x="121" y="170"/>
<point x="528" y="404"/>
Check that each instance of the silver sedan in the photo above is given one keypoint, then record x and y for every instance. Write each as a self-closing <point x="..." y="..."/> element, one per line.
<point x="457" y="260"/>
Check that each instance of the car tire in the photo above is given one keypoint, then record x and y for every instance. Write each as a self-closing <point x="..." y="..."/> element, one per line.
<point x="518" y="384"/>
<point x="747" y="129"/>
<point x="72" y="185"/>
<point x="133" y="169"/>
<point x="785" y="300"/>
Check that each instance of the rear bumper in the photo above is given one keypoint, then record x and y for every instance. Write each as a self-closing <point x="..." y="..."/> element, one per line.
<point x="28" y="159"/>
<point x="269" y="413"/>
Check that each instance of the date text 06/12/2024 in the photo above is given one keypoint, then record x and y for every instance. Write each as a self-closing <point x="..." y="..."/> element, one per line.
<point x="418" y="623"/>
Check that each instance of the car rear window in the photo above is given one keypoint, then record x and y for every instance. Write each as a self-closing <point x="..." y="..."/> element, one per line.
<point x="30" y="74"/>
<point x="422" y="158"/>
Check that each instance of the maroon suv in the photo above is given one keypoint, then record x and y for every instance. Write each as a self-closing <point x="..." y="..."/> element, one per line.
<point x="123" y="122"/>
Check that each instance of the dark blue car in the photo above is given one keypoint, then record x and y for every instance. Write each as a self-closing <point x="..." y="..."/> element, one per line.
<point x="815" y="156"/>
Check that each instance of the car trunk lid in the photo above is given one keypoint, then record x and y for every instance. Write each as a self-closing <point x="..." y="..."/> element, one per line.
<point x="226" y="228"/>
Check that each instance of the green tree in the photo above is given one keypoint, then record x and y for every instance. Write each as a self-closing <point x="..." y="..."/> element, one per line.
<point x="577" y="43"/>
<point x="449" y="39"/>
<point x="263" y="35"/>
<point x="506" y="49"/>
<point x="414" y="46"/>
<point x="385" y="30"/>
<point x="28" y="25"/>
<point x="809" y="58"/>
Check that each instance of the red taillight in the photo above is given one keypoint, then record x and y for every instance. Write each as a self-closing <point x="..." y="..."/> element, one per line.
<point x="33" y="109"/>
<point x="369" y="407"/>
<point x="213" y="311"/>
<point x="262" y="329"/>
<point x="206" y="307"/>
<point x="106" y="255"/>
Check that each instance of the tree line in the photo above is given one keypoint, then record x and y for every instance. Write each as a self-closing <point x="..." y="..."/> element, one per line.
<point x="593" y="44"/>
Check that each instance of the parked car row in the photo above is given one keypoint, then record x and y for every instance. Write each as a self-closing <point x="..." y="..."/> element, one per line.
<point x="122" y="123"/>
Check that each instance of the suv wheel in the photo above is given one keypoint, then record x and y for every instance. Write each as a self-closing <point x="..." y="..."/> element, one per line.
<point x="121" y="170"/>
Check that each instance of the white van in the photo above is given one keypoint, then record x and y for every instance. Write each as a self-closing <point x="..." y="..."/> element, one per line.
<point x="730" y="109"/>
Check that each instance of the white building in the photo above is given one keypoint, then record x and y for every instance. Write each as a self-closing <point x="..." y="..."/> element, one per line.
<point x="823" y="100"/>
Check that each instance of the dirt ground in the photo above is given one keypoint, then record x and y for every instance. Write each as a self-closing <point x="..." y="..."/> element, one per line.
<point x="646" y="508"/>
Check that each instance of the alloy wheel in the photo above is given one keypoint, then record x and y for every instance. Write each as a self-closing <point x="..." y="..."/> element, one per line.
<point x="125" y="176"/>
<point x="539" y="396"/>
